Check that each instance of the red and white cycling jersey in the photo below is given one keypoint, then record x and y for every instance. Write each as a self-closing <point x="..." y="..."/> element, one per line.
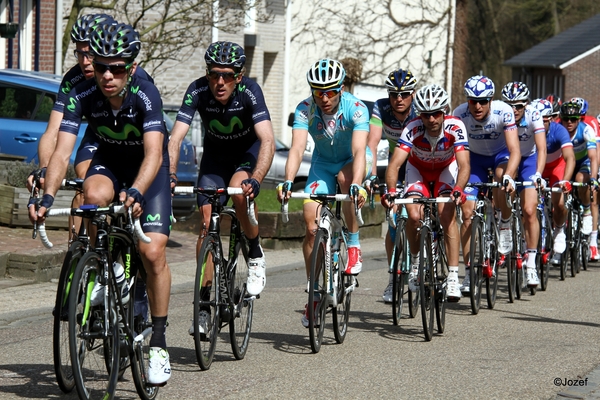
<point x="433" y="153"/>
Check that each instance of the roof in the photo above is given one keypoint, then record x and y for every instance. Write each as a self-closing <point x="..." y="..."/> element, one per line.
<point x="563" y="49"/>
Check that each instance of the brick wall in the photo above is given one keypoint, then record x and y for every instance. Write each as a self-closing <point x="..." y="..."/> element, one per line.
<point x="582" y="79"/>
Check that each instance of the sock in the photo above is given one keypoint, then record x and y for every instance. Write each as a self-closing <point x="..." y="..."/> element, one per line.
<point x="159" y="326"/>
<point x="453" y="270"/>
<point x="587" y="210"/>
<point x="531" y="253"/>
<point x="504" y="223"/>
<point x="594" y="239"/>
<point x="255" y="251"/>
<point x="353" y="239"/>
<point x="414" y="259"/>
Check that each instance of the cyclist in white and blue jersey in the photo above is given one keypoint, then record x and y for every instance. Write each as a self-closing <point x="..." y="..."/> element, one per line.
<point x="493" y="143"/>
<point x="339" y="124"/>
<point x="390" y="116"/>
<point x="532" y="138"/>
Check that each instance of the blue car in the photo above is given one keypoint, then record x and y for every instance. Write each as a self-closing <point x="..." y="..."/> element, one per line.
<point x="26" y="100"/>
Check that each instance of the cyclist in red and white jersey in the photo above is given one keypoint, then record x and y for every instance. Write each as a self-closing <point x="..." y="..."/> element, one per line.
<point x="436" y="149"/>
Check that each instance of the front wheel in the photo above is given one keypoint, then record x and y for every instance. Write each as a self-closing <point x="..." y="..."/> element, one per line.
<point x="317" y="293"/>
<point x="242" y="303"/>
<point x="345" y="284"/>
<point x="546" y="250"/>
<point x="476" y="262"/>
<point x="426" y="283"/>
<point x="398" y="275"/>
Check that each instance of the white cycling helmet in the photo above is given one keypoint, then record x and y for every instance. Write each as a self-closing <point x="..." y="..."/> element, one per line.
<point x="543" y="106"/>
<point x="431" y="98"/>
<point x="479" y="87"/>
<point x="326" y="74"/>
<point x="515" y="91"/>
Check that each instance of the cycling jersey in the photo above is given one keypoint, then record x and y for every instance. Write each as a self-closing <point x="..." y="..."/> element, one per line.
<point x="583" y="139"/>
<point x="486" y="137"/>
<point x="229" y="128"/>
<point x="531" y="124"/>
<point x="433" y="153"/>
<point x="384" y="117"/>
<point x="557" y="138"/>
<point x="352" y="115"/>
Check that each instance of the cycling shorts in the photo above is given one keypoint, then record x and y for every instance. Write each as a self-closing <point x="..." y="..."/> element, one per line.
<point x="527" y="170"/>
<point x="479" y="169"/>
<point x="87" y="147"/>
<point x="555" y="172"/>
<point x="417" y="182"/>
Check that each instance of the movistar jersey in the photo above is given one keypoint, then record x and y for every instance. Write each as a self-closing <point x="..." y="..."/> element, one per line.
<point x="487" y="137"/>
<point x="352" y="115"/>
<point x="391" y="128"/>
<point x="230" y="127"/>
<point x="121" y="135"/>
<point x="530" y="125"/>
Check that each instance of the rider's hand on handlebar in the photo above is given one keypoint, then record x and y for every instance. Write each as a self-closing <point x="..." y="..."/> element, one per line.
<point x="284" y="190"/>
<point x="508" y="184"/>
<point x="459" y="195"/>
<point x="173" y="180"/>
<point x="387" y="200"/>
<point x="565" y="186"/>
<point x="537" y="178"/>
<point x="371" y="184"/>
<point x="251" y="188"/>
<point x="359" y="194"/>
<point x="594" y="183"/>
<point x="133" y="198"/>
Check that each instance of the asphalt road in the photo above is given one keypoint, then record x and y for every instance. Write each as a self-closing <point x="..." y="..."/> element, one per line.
<point x="522" y="350"/>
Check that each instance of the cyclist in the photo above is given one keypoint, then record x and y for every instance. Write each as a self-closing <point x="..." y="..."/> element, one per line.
<point x="560" y="164"/>
<point x="339" y="124"/>
<point x="125" y="114"/>
<point x="556" y="103"/>
<point x="493" y="144"/>
<point x="532" y="139"/>
<point x="593" y="123"/>
<point x="390" y="117"/>
<point x="586" y="161"/>
<point x="238" y="146"/>
<point x="436" y="149"/>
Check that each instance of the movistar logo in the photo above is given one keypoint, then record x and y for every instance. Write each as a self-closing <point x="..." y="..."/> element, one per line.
<point x="134" y="89"/>
<point x="67" y="88"/>
<point x="71" y="107"/>
<point x="242" y="88"/>
<point x="217" y="126"/>
<point x="188" y="101"/>
<point x="246" y="164"/>
<point x="152" y="218"/>
<point x="107" y="132"/>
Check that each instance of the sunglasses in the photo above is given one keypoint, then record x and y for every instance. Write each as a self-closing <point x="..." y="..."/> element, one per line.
<point x="83" y="54"/>
<point x="518" y="106"/>
<point x="435" y="114"/>
<point x="227" y="76"/>
<point x="115" y="69"/>
<point x="483" y="102"/>
<point x="569" y="119"/>
<point x="404" y="95"/>
<point x="329" y="93"/>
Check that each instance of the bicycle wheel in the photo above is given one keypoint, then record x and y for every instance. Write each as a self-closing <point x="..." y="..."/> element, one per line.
<point x="491" y="284"/>
<point x="476" y="262"/>
<point x="206" y="300"/>
<point x="511" y="271"/>
<point x="398" y="275"/>
<point x="241" y="302"/>
<point x="545" y="247"/>
<point x="60" y="331"/>
<point x="341" y="313"/>
<point x="564" y="259"/>
<point x="88" y="342"/>
<point x="517" y="232"/>
<point x="585" y="252"/>
<point x="426" y="282"/>
<point x="142" y="329"/>
<point x="317" y="293"/>
<point x="575" y="250"/>
<point x="440" y="289"/>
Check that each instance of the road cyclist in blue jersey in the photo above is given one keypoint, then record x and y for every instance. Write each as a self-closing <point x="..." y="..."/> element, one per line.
<point x="238" y="146"/>
<point x="493" y="143"/>
<point x="390" y="116"/>
<point x="130" y="165"/>
<point x="339" y="124"/>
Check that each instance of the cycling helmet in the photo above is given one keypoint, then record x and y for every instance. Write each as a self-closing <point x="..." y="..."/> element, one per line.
<point x="112" y="41"/>
<point x="598" y="118"/>
<point x="326" y="74"/>
<point x="556" y="103"/>
<point x="570" y="109"/>
<point x="225" y="54"/>
<point x="543" y="106"/>
<point x="401" y="80"/>
<point x="431" y="98"/>
<point x="83" y="27"/>
<point x="479" y="87"/>
<point x="515" y="91"/>
<point x="582" y="103"/>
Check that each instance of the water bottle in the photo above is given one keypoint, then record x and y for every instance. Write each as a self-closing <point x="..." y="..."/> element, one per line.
<point x="434" y="240"/>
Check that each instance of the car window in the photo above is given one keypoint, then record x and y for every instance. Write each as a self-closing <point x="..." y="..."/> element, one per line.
<point x="22" y="103"/>
<point x="45" y="108"/>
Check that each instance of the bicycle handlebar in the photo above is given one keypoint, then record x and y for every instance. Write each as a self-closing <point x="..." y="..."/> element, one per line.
<point x="322" y="197"/>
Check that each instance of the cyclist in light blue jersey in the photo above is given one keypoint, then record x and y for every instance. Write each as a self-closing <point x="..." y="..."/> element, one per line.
<point x="339" y="124"/>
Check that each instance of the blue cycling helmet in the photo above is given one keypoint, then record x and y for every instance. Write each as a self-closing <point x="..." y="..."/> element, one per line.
<point x="543" y="106"/>
<point x="582" y="103"/>
<point x="225" y="54"/>
<point x="401" y="80"/>
<point x="479" y="87"/>
<point x="85" y="25"/>
<point x="515" y="91"/>
<point x="326" y="74"/>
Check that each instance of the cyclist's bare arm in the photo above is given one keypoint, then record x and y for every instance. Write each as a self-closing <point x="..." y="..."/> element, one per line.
<point x="264" y="132"/>
<point x="299" y="138"/>
<point x="177" y="134"/>
<point x="359" y="146"/>
<point x="47" y="143"/>
<point x="569" y="155"/>
<point x="464" y="168"/>
<point x="542" y="150"/>
<point x="593" y="156"/>
<point x="375" y="132"/>
<point x="398" y="158"/>
<point x="514" y="149"/>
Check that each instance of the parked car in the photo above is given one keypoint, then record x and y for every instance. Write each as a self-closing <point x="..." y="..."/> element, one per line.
<point x="26" y="100"/>
<point x="276" y="174"/>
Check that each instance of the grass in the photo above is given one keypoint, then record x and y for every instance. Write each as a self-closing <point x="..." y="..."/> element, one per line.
<point x="267" y="202"/>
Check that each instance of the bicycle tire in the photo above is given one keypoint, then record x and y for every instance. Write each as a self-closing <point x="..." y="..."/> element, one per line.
<point x="565" y="259"/>
<point x="398" y="285"/>
<point x="511" y="268"/>
<point x="205" y="343"/>
<point x="86" y="339"/>
<point x="520" y="268"/>
<point x="341" y="313"/>
<point x="142" y="327"/>
<point x="476" y="263"/>
<point x="546" y="247"/>
<point x="585" y="252"/>
<point x="426" y="283"/>
<point x="491" y="284"/>
<point x="440" y="289"/>
<point x="317" y="293"/>
<point x="575" y="250"/>
<point x="242" y="303"/>
<point x="60" y="331"/>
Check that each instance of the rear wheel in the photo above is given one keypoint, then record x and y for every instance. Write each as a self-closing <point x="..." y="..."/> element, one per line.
<point x="546" y="251"/>
<point x="242" y="303"/>
<point x="317" y="293"/>
<point x="476" y="263"/>
<point x="491" y="284"/>
<point x="341" y="312"/>
<point x="398" y="275"/>
<point x="440" y="289"/>
<point x="585" y="252"/>
<point x="426" y="283"/>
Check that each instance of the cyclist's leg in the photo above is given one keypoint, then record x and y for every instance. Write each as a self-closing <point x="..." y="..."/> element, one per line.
<point x="505" y="245"/>
<point x="414" y="188"/>
<point x="529" y="201"/>
<point x="83" y="159"/>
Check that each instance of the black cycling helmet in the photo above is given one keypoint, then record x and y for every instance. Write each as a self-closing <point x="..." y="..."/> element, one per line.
<point x="115" y="41"/>
<point x="84" y="26"/>
<point x="570" y="109"/>
<point x="556" y="103"/>
<point x="401" y="80"/>
<point x="225" y="54"/>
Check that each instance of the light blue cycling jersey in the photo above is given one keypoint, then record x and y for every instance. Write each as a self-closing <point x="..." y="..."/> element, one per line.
<point x="352" y="115"/>
<point x="486" y="137"/>
<point x="583" y="139"/>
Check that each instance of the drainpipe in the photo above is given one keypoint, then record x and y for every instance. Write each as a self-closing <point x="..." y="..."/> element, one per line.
<point x="285" y="134"/>
<point x="36" y="59"/>
<point x="58" y="38"/>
